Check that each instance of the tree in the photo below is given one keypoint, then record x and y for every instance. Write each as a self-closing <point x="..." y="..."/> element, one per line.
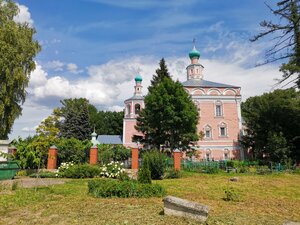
<point x="17" y="50"/>
<point x="287" y="42"/>
<point x="161" y="73"/>
<point x="273" y="125"/>
<point x="169" y="115"/>
<point x="106" y="122"/>
<point x="49" y="127"/>
<point x="73" y="150"/>
<point x="75" y="118"/>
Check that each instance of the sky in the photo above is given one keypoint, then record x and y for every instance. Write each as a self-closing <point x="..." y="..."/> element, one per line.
<point x="95" y="48"/>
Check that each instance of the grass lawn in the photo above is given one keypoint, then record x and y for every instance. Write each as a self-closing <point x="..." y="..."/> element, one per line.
<point x="264" y="199"/>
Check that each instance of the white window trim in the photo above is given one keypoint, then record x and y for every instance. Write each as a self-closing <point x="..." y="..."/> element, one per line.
<point x="223" y="125"/>
<point x="208" y="128"/>
<point x="208" y="152"/>
<point x="219" y="103"/>
<point x="226" y="151"/>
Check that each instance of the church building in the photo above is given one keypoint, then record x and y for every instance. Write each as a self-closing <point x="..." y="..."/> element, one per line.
<point x="219" y="107"/>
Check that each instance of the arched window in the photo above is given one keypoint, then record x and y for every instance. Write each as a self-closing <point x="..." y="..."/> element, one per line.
<point x="128" y="109"/>
<point x="223" y="130"/>
<point x="219" y="109"/>
<point x="207" y="132"/>
<point x="208" y="155"/>
<point x="137" y="108"/>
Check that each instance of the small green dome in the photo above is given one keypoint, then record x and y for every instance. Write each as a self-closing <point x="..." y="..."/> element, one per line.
<point x="194" y="53"/>
<point x="138" y="78"/>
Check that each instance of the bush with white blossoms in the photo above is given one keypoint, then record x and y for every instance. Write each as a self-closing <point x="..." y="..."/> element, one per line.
<point x="112" y="170"/>
<point x="63" y="167"/>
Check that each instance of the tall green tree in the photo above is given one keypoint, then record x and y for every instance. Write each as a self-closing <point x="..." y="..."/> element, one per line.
<point x="106" y="122"/>
<point x="161" y="73"/>
<point x="273" y="125"/>
<point x="17" y="50"/>
<point x="75" y="119"/>
<point x="286" y="37"/>
<point x="169" y="116"/>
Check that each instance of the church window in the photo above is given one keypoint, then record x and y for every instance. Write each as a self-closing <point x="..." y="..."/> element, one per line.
<point x="208" y="155"/>
<point x="219" y="110"/>
<point x="223" y="130"/>
<point x="207" y="132"/>
<point x="137" y="108"/>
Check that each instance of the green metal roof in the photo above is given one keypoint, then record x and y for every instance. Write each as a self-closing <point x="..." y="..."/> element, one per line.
<point x="194" y="53"/>
<point x="138" y="78"/>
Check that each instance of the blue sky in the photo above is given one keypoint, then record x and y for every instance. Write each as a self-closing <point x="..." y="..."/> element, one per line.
<point x="94" y="48"/>
<point x="89" y="32"/>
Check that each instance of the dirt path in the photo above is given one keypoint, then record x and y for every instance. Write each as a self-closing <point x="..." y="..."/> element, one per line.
<point x="33" y="182"/>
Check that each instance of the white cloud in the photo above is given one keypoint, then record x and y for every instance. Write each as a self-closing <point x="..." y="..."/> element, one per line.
<point x="29" y="129"/>
<point x="116" y="108"/>
<point x="24" y="15"/>
<point x="113" y="82"/>
<point x="73" y="68"/>
<point x="108" y="85"/>
<point x="55" y="65"/>
<point x="32" y="115"/>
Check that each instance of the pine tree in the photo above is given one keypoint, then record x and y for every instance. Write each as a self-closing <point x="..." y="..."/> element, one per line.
<point x="75" y="116"/>
<point x="169" y="116"/>
<point x="161" y="73"/>
<point x="287" y="41"/>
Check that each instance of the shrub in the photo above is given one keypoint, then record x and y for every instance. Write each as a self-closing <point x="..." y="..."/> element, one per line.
<point x="108" y="188"/>
<point x="124" y="177"/>
<point x="156" y="164"/>
<point x="72" y="149"/>
<point x="172" y="174"/>
<point x="262" y="170"/>
<point x="44" y="174"/>
<point x="64" y="166"/>
<point x="22" y="173"/>
<point x="112" y="170"/>
<point x="211" y="169"/>
<point x="80" y="171"/>
<point x="108" y="153"/>
<point x="29" y="154"/>
<point x="14" y="186"/>
<point x="296" y="170"/>
<point x="230" y="195"/>
<point x="144" y="174"/>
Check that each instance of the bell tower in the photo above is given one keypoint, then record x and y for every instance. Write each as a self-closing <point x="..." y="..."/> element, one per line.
<point x="194" y="70"/>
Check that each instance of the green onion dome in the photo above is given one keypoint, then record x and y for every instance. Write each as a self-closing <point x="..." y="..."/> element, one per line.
<point x="138" y="78"/>
<point x="194" y="53"/>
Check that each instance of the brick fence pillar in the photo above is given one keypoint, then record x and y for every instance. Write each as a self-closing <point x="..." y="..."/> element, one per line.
<point x="177" y="159"/>
<point x="134" y="158"/>
<point x="52" y="158"/>
<point x="94" y="155"/>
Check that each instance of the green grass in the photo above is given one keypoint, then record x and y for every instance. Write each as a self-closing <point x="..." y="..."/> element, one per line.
<point x="263" y="199"/>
